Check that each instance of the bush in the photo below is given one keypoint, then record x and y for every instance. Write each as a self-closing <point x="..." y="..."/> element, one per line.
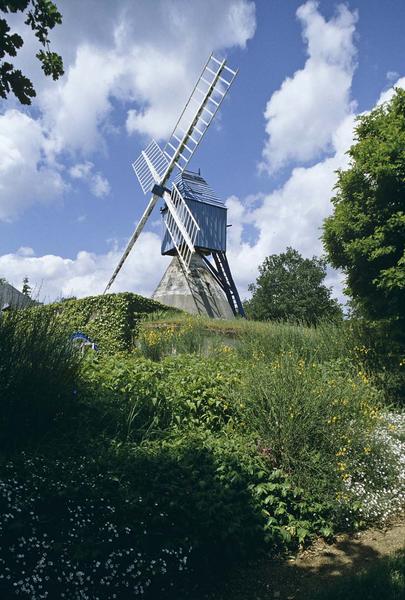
<point x="77" y="529"/>
<point x="38" y="376"/>
<point x="381" y="348"/>
<point x="310" y="418"/>
<point x="134" y="520"/>
<point x="110" y="320"/>
<point x="135" y="398"/>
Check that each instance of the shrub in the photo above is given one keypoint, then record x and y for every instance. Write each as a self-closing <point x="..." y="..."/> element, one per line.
<point x="76" y="529"/>
<point x="135" y="398"/>
<point x="38" y="376"/>
<point x="310" y="418"/>
<point x="110" y="319"/>
<point x="133" y="520"/>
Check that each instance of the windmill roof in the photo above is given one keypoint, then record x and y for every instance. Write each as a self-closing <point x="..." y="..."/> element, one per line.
<point x="194" y="187"/>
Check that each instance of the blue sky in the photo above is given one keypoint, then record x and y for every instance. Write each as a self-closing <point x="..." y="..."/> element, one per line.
<point x="69" y="199"/>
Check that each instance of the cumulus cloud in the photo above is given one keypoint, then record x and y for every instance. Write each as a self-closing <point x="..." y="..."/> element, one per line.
<point x="303" y="114"/>
<point x="388" y="94"/>
<point x="26" y="174"/>
<point x="142" y="56"/>
<point x="87" y="274"/>
<point x="99" y="185"/>
<point x="292" y="215"/>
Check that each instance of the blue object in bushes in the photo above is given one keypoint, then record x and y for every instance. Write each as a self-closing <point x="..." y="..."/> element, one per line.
<point x="83" y="339"/>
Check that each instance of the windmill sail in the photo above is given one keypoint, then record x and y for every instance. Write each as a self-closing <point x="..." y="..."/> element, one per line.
<point x="206" y="98"/>
<point x="151" y="167"/>
<point x="154" y="166"/>
<point x="181" y="225"/>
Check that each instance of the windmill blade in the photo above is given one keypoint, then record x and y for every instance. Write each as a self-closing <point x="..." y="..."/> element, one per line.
<point x="206" y="98"/>
<point x="181" y="225"/>
<point x="135" y="236"/>
<point x="151" y="167"/>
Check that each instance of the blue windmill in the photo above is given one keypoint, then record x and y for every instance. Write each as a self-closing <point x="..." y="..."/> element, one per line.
<point x="199" y="278"/>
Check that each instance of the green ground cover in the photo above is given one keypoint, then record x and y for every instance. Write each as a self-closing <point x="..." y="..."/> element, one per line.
<point x="140" y="470"/>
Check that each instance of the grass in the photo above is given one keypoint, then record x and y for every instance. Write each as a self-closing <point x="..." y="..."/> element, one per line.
<point x="39" y="370"/>
<point x="163" y="333"/>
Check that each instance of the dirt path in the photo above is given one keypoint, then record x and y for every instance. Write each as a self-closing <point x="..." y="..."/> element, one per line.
<point x="311" y="570"/>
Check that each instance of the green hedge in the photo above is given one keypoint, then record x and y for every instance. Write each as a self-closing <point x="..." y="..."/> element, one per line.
<point x="109" y="320"/>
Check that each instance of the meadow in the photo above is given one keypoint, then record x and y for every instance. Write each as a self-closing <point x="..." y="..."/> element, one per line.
<point x="158" y="461"/>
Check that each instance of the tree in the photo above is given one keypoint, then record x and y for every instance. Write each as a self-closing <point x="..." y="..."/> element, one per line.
<point x="26" y="288"/>
<point x="365" y="236"/>
<point x="290" y="288"/>
<point x="41" y="16"/>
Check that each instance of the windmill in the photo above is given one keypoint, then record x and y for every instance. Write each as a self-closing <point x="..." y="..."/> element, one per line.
<point x="194" y="218"/>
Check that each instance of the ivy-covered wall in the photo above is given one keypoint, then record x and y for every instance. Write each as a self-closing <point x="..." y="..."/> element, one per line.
<point x="109" y="320"/>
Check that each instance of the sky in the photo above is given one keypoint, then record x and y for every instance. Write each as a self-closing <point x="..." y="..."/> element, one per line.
<point x="69" y="199"/>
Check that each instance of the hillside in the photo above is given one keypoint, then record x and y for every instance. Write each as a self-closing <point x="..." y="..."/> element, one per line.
<point x="181" y="446"/>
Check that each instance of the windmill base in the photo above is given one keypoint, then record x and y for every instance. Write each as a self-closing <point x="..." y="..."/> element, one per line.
<point x="197" y="292"/>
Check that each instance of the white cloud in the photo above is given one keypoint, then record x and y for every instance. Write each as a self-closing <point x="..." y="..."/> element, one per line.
<point x="75" y="108"/>
<point x="388" y="94"/>
<point x="25" y="251"/>
<point x="87" y="274"/>
<point x="303" y="114"/>
<point x="26" y="176"/>
<point x="142" y="56"/>
<point x="293" y="214"/>
<point x="392" y="75"/>
<point x="290" y="216"/>
<point x="99" y="185"/>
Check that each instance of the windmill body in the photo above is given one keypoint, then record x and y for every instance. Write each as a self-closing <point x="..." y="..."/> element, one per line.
<point x="199" y="278"/>
<point x="208" y="210"/>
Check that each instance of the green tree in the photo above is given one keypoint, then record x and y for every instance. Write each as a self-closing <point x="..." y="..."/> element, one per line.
<point x="26" y="288"/>
<point x="365" y="236"/>
<point x="41" y="16"/>
<point x="291" y="288"/>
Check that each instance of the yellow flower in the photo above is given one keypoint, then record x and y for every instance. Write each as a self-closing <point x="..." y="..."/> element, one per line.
<point x="341" y="452"/>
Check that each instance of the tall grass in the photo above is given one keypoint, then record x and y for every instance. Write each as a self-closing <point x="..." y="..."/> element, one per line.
<point x="325" y="342"/>
<point x="38" y="373"/>
<point x="162" y="334"/>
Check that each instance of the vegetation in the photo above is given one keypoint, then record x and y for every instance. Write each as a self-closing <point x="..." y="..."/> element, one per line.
<point x="26" y="288"/>
<point x="40" y="16"/>
<point x="38" y="375"/>
<point x="139" y="470"/>
<point x="365" y="236"/>
<point x="290" y="288"/>
<point x="110" y="320"/>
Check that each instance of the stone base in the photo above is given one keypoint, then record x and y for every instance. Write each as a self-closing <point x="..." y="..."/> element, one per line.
<point x="197" y="292"/>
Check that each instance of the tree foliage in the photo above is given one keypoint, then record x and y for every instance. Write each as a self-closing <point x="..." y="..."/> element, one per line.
<point x="366" y="233"/>
<point x="40" y="16"/>
<point x="26" y="288"/>
<point x="291" y="288"/>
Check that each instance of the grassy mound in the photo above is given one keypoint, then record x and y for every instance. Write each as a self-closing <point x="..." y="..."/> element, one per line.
<point x="194" y="443"/>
